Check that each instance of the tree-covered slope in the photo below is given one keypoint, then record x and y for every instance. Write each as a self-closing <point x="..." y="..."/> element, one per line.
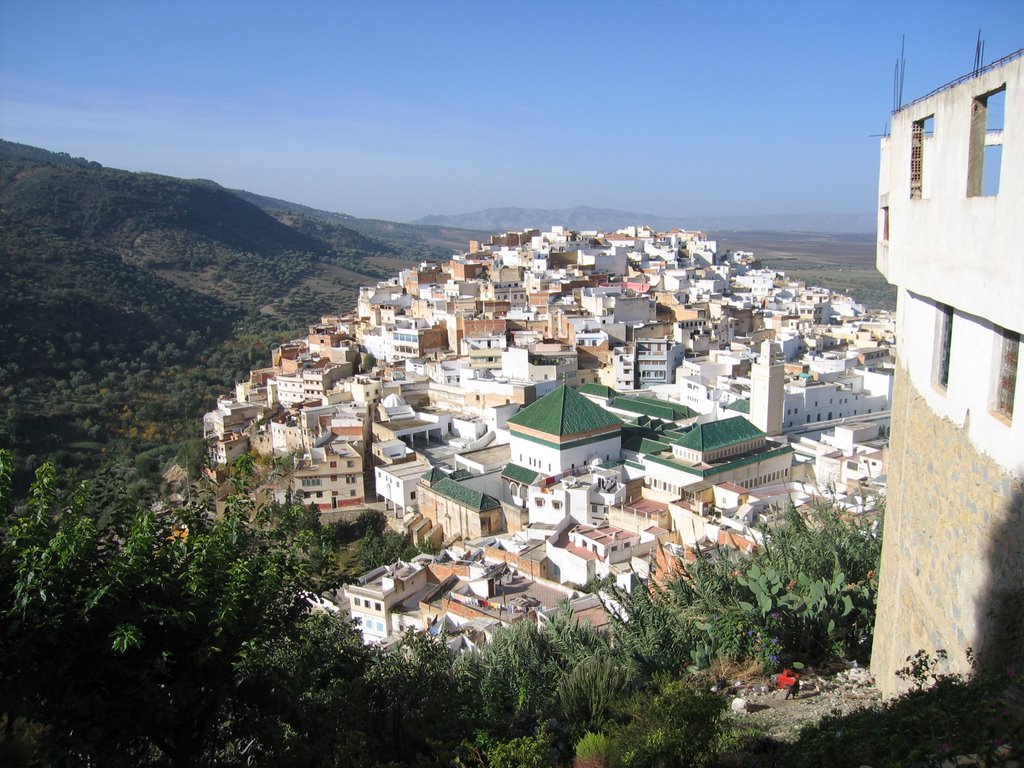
<point x="416" y="241"/>
<point x="123" y="297"/>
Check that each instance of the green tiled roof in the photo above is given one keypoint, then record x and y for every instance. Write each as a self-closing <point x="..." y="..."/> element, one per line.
<point x="740" y="406"/>
<point x="432" y="476"/>
<point x="600" y="390"/>
<point x="649" y="406"/>
<point x="465" y="495"/>
<point x="719" y="434"/>
<point x="460" y="474"/>
<point x="519" y="474"/>
<point x="564" y="412"/>
<point x="654" y="446"/>
<point x="719" y="468"/>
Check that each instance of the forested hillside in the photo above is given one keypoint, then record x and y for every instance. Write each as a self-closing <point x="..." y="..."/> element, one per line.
<point x="421" y="241"/>
<point x="129" y="300"/>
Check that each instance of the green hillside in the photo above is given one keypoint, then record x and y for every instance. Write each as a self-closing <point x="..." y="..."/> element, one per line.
<point x="418" y="241"/>
<point x="130" y="300"/>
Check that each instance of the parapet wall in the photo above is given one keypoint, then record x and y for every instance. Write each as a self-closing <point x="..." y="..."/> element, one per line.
<point x="952" y="574"/>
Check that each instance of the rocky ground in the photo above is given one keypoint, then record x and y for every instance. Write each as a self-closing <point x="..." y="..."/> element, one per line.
<point x="764" y="707"/>
<point x="759" y="705"/>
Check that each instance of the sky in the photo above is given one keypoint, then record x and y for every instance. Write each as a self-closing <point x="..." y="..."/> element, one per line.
<point x="398" y="110"/>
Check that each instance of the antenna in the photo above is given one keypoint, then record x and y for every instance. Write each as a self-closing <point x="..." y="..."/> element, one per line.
<point x="979" y="53"/>
<point x="897" y="76"/>
<point x="903" y="67"/>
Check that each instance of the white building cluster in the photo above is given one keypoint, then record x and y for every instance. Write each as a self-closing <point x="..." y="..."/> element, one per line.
<point x="554" y="408"/>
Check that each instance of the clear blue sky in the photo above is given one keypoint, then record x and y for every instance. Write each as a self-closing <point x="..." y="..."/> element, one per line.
<point x="397" y="110"/>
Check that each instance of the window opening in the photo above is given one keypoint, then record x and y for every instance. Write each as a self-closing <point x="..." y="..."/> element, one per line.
<point x="1006" y="384"/>
<point x="985" y="152"/>
<point x="920" y="129"/>
<point x="945" y="345"/>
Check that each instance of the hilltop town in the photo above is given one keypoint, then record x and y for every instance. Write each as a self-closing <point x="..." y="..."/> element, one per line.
<point x="550" y="411"/>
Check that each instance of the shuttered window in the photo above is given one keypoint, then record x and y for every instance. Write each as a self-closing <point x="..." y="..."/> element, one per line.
<point x="1006" y="384"/>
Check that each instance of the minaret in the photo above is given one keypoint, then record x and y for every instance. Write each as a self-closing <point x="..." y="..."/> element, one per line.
<point x="767" y="393"/>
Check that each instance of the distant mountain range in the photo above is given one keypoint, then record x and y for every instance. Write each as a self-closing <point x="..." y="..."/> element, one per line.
<point x="582" y="217"/>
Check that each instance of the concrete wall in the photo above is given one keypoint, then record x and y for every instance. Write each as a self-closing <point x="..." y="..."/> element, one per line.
<point x="952" y="573"/>
<point x="956" y="249"/>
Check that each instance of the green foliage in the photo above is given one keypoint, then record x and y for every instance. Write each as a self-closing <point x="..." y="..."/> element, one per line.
<point x="652" y="637"/>
<point x="523" y="752"/>
<point x="676" y="726"/>
<point x="516" y="675"/>
<point x="590" y="691"/>
<point x="293" y="689"/>
<point x="941" y="718"/>
<point x="810" y="592"/>
<point x="132" y="631"/>
<point x="595" y="750"/>
<point x="413" y="694"/>
<point x="376" y="549"/>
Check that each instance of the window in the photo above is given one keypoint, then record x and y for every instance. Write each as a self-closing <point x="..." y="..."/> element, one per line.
<point x="944" y="346"/>
<point x="984" y="153"/>
<point x="1006" y="381"/>
<point x="919" y="130"/>
<point x="357" y="601"/>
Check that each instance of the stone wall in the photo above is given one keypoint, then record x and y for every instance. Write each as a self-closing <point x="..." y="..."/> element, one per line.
<point x="952" y="574"/>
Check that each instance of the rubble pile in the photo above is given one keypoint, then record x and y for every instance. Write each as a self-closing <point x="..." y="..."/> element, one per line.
<point x="822" y="692"/>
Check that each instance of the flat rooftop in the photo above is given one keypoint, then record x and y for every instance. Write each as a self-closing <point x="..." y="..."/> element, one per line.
<point x="492" y="454"/>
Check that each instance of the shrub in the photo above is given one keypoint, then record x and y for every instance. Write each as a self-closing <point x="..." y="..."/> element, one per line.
<point x="595" y="750"/>
<point x="678" y="726"/>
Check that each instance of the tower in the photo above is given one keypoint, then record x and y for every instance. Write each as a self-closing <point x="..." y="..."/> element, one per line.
<point x="767" y="392"/>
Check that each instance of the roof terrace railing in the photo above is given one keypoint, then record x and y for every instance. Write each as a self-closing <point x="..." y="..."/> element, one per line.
<point x="964" y="78"/>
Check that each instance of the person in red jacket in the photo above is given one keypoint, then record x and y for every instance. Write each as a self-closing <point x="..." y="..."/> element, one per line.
<point x="790" y="680"/>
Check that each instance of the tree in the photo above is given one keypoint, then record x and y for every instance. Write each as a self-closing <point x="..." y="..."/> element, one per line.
<point x="368" y="362"/>
<point x="414" y="698"/>
<point x="133" y="632"/>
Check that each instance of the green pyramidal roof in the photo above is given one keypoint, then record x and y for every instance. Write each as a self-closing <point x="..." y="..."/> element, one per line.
<point x="564" y="412"/>
<point x="466" y="496"/>
<point x="600" y="390"/>
<point x="433" y="475"/>
<point x="718" y="434"/>
<point x="740" y="406"/>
